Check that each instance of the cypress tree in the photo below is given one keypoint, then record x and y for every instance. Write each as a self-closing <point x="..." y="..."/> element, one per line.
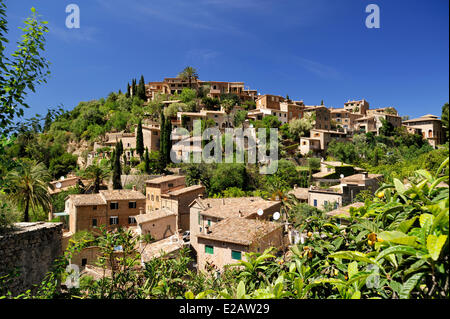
<point x="162" y="148"/>
<point x="117" y="184"/>
<point x="120" y="148"/>
<point x="147" y="161"/>
<point x="128" y="90"/>
<point x="139" y="140"/>
<point x="141" y="89"/>
<point x="133" y="87"/>
<point x="168" y="141"/>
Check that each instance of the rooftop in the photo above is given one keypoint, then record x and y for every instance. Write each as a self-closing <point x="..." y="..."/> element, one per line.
<point x="105" y="195"/>
<point x="154" y="215"/>
<point x="300" y="193"/>
<point x="87" y="199"/>
<point x="360" y="177"/>
<point x="428" y="117"/>
<point x="186" y="190"/>
<point x="121" y="194"/>
<point x="245" y="207"/>
<point x="344" y="211"/>
<point x="240" y="230"/>
<point x="163" y="179"/>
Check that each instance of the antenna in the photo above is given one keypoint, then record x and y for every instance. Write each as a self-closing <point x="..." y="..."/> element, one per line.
<point x="276" y="216"/>
<point x="260" y="212"/>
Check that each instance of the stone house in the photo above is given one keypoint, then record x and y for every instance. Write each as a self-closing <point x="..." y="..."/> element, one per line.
<point x="430" y="126"/>
<point x="155" y="187"/>
<point x="160" y="224"/>
<point x="112" y="208"/>
<point x="206" y="212"/>
<point x="226" y="242"/>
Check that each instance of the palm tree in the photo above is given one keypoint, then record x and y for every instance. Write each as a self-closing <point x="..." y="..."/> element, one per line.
<point x="96" y="173"/>
<point x="28" y="187"/>
<point x="188" y="73"/>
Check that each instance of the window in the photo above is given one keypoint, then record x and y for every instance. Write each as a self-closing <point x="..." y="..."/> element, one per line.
<point x="325" y="203"/>
<point x="131" y="204"/>
<point x="157" y="198"/>
<point x="83" y="262"/>
<point x="315" y="203"/>
<point x="209" y="249"/>
<point x="170" y="185"/>
<point x="94" y="207"/>
<point x="236" y="255"/>
<point x="209" y="222"/>
<point x="153" y="198"/>
<point x="94" y="222"/>
<point x="114" y="205"/>
<point x="114" y="220"/>
<point x="199" y="219"/>
<point x="131" y="220"/>
<point x="155" y="133"/>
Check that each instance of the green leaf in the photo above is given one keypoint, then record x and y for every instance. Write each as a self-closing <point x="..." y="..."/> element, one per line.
<point x="352" y="269"/>
<point x="398" y="237"/>
<point x="189" y="295"/>
<point x="399" y="187"/>
<point x="435" y="244"/>
<point x="240" y="293"/>
<point x="405" y="250"/>
<point x="405" y="225"/>
<point x="355" y="255"/>
<point x="409" y="285"/>
<point x="356" y="295"/>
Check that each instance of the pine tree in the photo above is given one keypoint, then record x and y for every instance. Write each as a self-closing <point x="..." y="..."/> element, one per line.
<point x="140" y="140"/>
<point x="120" y="148"/>
<point x="162" y="147"/>
<point x="117" y="184"/>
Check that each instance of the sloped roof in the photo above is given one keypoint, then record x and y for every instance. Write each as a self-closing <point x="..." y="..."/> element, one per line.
<point x="154" y="215"/>
<point x="240" y="230"/>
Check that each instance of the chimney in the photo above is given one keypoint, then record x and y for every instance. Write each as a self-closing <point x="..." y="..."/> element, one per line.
<point x="134" y="187"/>
<point x="200" y="195"/>
<point x="240" y="213"/>
<point x="365" y="175"/>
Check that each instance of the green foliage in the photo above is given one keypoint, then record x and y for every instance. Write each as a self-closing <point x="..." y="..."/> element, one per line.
<point x="300" y="127"/>
<point x="26" y="67"/>
<point x="444" y="119"/>
<point x="62" y="165"/>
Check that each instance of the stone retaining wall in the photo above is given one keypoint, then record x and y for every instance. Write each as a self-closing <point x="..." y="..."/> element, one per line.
<point x="31" y="249"/>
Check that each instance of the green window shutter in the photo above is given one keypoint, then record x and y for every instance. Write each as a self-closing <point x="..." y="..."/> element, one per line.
<point x="209" y="249"/>
<point x="209" y="222"/>
<point x="236" y="255"/>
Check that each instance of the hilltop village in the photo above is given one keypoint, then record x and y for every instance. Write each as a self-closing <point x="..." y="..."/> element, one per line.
<point x="220" y="230"/>
<point x="111" y="178"/>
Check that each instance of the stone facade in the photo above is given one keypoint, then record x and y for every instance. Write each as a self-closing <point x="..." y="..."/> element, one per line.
<point x="31" y="249"/>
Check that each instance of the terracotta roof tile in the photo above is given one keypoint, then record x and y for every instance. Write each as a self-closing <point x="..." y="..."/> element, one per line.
<point x="240" y="230"/>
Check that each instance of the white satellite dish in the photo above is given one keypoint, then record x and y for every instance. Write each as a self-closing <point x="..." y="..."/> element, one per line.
<point x="58" y="185"/>
<point x="251" y="125"/>
<point x="62" y="178"/>
<point x="260" y="212"/>
<point x="276" y="216"/>
<point x="342" y="175"/>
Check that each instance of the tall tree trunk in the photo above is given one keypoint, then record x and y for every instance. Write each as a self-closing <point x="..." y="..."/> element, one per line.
<point x="26" y="215"/>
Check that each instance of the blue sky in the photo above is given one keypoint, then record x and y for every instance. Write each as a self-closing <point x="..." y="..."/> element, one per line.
<point x="309" y="49"/>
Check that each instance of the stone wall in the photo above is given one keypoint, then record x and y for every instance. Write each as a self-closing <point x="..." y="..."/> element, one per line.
<point x="31" y="249"/>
